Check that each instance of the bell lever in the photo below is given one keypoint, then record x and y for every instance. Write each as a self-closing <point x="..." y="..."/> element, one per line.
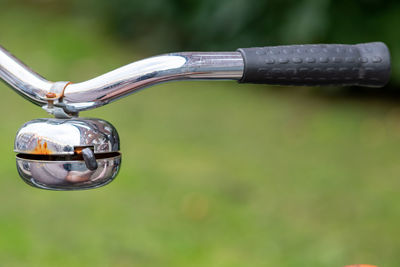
<point x="89" y="158"/>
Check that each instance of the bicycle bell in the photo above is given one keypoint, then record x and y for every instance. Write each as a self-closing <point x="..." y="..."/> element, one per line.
<point x="67" y="154"/>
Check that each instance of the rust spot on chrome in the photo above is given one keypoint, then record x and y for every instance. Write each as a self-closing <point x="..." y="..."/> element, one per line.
<point x="41" y="149"/>
<point x="51" y="95"/>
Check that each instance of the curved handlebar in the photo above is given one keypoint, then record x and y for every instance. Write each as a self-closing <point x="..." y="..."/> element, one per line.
<point x="132" y="77"/>
<point x="359" y="65"/>
<point x="22" y="79"/>
<point x="122" y="81"/>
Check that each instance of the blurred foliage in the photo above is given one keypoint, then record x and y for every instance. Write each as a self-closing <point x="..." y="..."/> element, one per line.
<point x="166" y="25"/>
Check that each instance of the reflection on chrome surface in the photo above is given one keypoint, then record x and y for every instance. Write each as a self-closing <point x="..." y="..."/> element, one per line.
<point x="61" y="136"/>
<point x="67" y="154"/>
<point x="67" y="175"/>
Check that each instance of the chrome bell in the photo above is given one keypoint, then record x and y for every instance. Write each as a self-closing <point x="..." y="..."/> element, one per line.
<point x="67" y="154"/>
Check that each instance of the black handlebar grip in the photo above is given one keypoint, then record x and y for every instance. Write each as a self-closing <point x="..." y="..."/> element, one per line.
<point x="365" y="64"/>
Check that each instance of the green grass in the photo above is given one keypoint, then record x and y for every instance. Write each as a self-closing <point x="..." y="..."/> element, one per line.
<point x="213" y="174"/>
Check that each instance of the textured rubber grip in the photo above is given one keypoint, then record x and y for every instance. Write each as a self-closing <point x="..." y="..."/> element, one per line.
<point x="365" y="64"/>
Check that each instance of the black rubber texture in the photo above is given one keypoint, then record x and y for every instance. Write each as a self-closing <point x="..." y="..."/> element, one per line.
<point x="365" y="64"/>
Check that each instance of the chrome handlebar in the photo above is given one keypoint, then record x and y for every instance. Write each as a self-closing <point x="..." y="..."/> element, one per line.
<point x="75" y="97"/>
<point x="132" y="77"/>
<point x="22" y="79"/>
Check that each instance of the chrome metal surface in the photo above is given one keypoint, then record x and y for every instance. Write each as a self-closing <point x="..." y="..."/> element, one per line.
<point x="61" y="136"/>
<point x="22" y="79"/>
<point x="67" y="154"/>
<point x="67" y="175"/>
<point x="130" y="78"/>
<point x="122" y="81"/>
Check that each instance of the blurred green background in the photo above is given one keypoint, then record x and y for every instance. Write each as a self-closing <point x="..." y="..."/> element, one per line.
<point x="213" y="174"/>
